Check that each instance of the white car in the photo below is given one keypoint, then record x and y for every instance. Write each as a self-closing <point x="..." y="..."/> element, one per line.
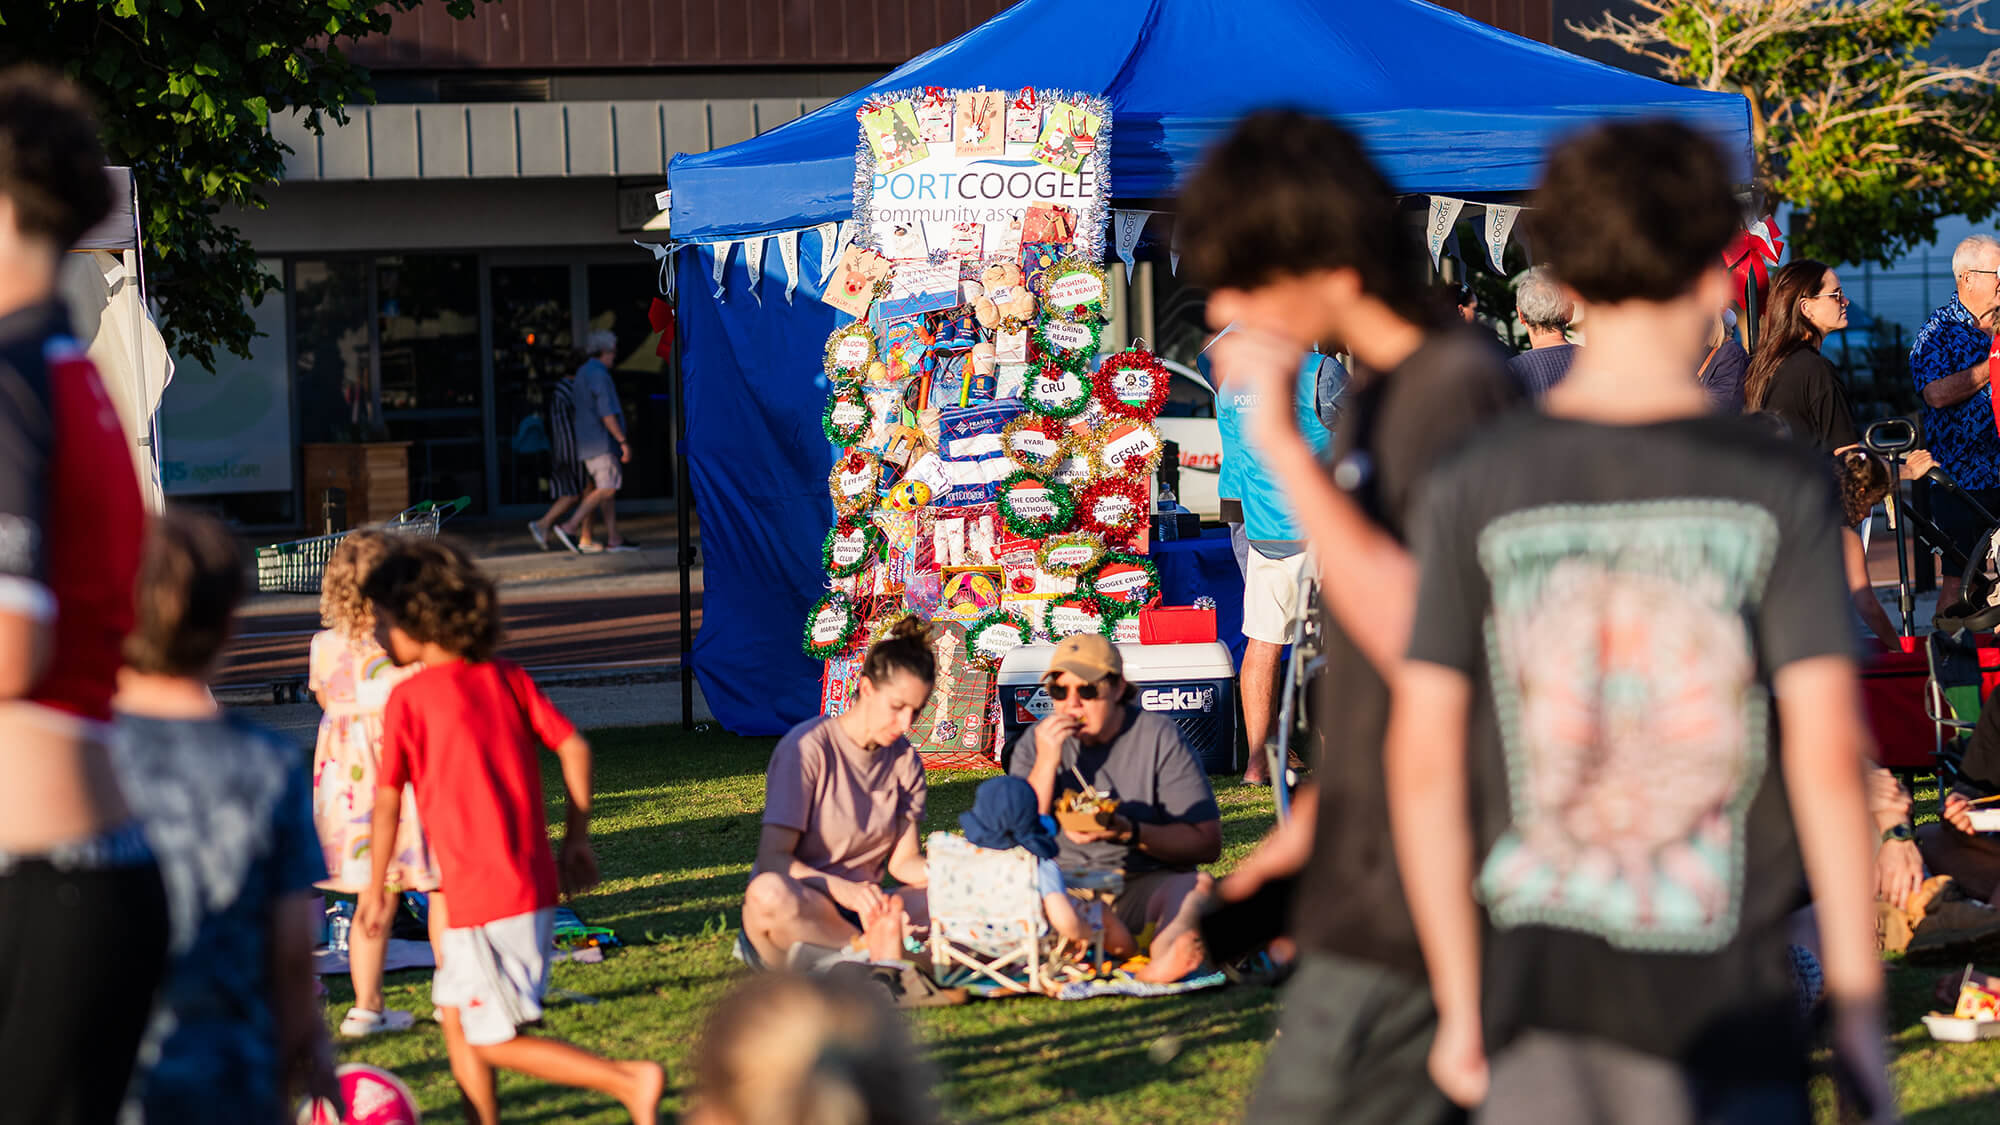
<point x="1188" y="420"/>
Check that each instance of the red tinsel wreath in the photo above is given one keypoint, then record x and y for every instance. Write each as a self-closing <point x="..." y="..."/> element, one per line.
<point x="1133" y="488"/>
<point x="1144" y="360"/>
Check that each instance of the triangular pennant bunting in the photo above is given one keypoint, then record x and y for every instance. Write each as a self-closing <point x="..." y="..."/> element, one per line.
<point x="1174" y="250"/>
<point x="830" y="250"/>
<point x="753" y="261"/>
<point x="1129" y="225"/>
<point x="1444" y="216"/>
<point x="1499" y="227"/>
<point x="788" y="253"/>
<point x="721" y="263"/>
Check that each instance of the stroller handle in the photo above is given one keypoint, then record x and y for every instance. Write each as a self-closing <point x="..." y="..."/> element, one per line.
<point x="1891" y="435"/>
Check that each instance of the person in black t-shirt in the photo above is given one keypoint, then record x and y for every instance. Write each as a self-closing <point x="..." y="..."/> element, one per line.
<point x="1298" y="237"/>
<point x="1788" y="376"/>
<point x="1631" y="657"/>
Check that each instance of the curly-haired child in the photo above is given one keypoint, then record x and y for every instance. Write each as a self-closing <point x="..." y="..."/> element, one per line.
<point x="351" y="677"/>
<point x="465" y="733"/>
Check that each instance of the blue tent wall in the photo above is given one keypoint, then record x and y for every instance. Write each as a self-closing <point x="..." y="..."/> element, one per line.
<point x="757" y="461"/>
<point x="1445" y="104"/>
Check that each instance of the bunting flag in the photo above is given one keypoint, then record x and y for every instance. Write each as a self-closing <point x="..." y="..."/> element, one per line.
<point x="753" y="261"/>
<point x="663" y="253"/>
<point x="1174" y="250"/>
<point x="788" y="253"/>
<point x="1129" y="225"/>
<point x="721" y="263"/>
<point x="1444" y="216"/>
<point x="1499" y="228"/>
<point x="832" y="243"/>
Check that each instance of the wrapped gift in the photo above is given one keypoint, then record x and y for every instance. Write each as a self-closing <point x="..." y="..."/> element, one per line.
<point x="1047" y="222"/>
<point x="969" y="445"/>
<point x="838" y="683"/>
<point x="935" y="111"/>
<point x="1038" y="258"/>
<point x="894" y="136"/>
<point x="852" y="287"/>
<point x="1024" y="117"/>
<point x="981" y="123"/>
<point x="968" y="240"/>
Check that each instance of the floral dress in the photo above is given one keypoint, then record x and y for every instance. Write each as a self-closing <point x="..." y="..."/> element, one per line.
<point x="353" y="679"/>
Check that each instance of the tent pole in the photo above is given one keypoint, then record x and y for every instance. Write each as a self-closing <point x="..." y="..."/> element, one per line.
<point x="683" y="516"/>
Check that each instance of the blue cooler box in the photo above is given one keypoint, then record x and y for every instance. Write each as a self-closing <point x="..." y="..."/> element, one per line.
<point x="1194" y="685"/>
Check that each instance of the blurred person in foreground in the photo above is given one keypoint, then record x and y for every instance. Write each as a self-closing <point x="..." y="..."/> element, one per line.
<point x="1630" y="707"/>
<point x="784" y="1049"/>
<point x="228" y="807"/>
<point x="83" y="918"/>
<point x="1950" y="364"/>
<point x="466" y="734"/>
<point x="1297" y="235"/>
<point x="1542" y="305"/>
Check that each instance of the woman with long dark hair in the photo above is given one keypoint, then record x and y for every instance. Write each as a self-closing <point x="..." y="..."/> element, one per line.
<point x="1788" y="376"/>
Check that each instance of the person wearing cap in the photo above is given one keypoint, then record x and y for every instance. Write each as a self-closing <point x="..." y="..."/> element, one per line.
<point x="1166" y="824"/>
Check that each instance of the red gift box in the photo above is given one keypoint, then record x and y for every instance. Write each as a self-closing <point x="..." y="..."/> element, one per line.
<point x="1176" y="625"/>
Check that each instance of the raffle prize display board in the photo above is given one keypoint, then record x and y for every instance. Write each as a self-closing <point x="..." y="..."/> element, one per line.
<point x="991" y="474"/>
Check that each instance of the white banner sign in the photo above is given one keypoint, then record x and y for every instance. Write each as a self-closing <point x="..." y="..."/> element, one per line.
<point x="230" y="429"/>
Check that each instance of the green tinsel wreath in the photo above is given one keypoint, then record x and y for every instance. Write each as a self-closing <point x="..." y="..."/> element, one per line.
<point x="834" y="647"/>
<point x="845" y="436"/>
<point x="1078" y="360"/>
<point x="979" y="628"/>
<point x="1071" y="539"/>
<point x="871" y="537"/>
<point x="1117" y="608"/>
<point x="1056" y="409"/>
<point x="1088" y="602"/>
<point x="1059" y="497"/>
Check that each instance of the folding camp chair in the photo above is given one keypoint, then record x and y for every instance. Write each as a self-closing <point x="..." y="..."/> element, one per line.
<point x="1964" y="670"/>
<point x="988" y="931"/>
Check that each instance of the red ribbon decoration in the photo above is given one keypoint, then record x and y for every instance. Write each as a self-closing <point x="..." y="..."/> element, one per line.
<point x="1752" y="253"/>
<point x="936" y="96"/>
<point x="1025" y="99"/>
<point x="661" y="316"/>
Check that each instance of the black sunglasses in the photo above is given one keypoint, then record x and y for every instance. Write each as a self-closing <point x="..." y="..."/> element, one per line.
<point x="1060" y="692"/>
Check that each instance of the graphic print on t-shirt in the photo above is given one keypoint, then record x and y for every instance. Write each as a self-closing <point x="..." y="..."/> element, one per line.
<point x="1631" y="716"/>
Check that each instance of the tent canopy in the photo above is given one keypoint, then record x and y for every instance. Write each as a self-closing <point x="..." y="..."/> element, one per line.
<point x="1445" y="104"/>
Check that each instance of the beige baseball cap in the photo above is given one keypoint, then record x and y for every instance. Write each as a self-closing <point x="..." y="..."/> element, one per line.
<point x="1087" y="656"/>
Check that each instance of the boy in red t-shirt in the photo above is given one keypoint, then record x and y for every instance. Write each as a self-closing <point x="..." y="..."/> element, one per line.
<point x="463" y="733"/>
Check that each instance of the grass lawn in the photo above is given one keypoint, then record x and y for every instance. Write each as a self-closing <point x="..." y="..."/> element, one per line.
<point x="676" y="829"/>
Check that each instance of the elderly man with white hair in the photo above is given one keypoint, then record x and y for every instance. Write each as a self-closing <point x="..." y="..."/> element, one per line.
<point x="1949" y="364"/>
<point x="1542" y="305"/>
<point x="600" y="443"/>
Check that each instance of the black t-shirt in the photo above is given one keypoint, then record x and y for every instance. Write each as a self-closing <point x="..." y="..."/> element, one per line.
<point x="1396" y="426"/>
<point x="1621" y="597"/>
<point x="1807" y="393"/>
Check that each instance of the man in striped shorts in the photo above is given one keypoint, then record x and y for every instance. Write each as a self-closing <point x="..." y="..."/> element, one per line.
<point x="567" y="478"/>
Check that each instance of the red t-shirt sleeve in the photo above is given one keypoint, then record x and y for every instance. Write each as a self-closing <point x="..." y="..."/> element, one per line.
<point x="393" y="769"/>
<point x="549" y="724"/>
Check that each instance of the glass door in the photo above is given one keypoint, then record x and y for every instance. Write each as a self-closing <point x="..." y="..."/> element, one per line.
<point x="427" y="317"/>
<point x="533" y="346"/>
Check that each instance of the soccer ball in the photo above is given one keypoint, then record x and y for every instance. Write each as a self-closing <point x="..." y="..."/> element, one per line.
<point x="374" y="1097"/>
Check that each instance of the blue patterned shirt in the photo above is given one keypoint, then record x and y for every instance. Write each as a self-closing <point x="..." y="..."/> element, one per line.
<point x="1962" y="437"/>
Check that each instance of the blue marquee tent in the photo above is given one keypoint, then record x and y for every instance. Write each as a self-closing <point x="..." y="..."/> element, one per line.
<point x="1445" y="104"/>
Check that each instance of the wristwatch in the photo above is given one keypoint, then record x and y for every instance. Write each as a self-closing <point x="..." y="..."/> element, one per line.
<point x="1898" y="832"/>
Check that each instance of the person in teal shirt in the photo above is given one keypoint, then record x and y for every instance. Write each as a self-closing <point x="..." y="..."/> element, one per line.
<point x="1274" y="558"/>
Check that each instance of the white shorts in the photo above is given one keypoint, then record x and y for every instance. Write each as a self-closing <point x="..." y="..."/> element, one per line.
<point x="1271" y="601"/>
<point x="605" y="472"/>
<point x="495" y="974"/>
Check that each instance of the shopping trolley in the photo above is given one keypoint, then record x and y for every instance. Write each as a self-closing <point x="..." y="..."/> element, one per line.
<point x="296" y="567"/>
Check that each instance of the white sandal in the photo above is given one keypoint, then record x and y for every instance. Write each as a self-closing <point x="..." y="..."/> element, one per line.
<point x="360" y="1023"/>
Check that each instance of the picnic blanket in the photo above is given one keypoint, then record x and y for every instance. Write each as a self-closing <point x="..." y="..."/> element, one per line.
<point x="1125" y="984"/>
<point x="402" y="955"/>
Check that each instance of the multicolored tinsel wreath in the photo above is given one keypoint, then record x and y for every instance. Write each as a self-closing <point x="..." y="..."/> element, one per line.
<point x="1132" y="488"/>
<point x="855" y="461"/>
<point x="1058" y="435"/>
<point x="1074" y="301"/>
<point x="999" y="618"/>
<point x="1134" y="464"/>
<point x="1028" y="527"/>
<point x="849" y="395"/>
<point x="871" y="546"/>
<point x="830" y="624"/>
<point x="1136" y="359"/>
<point x="1087" y="604"/>
<point x="1069" y="555"/>
<point x="1033" y="394"/>
<point x="1116" y="608"/>
<point x="1076" y="359"/>
<point x="864" y="340"/>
